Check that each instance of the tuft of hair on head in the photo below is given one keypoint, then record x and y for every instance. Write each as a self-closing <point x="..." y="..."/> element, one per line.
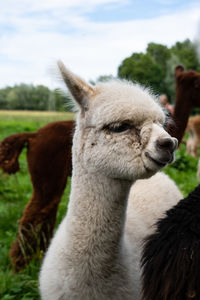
<point x="69" y="104"/>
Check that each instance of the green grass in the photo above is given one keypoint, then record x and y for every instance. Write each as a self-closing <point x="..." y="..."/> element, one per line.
<point x="25" y="121"/>
<point x="183" y="171"/>
<point x="16" y="190"/>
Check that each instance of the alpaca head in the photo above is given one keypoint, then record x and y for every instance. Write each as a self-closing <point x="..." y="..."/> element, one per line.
<point x="119" y="131"/>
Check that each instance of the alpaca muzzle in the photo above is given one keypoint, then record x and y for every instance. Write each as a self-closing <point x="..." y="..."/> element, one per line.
<point x="165" y="148"/>
<point x="167" y="144"/>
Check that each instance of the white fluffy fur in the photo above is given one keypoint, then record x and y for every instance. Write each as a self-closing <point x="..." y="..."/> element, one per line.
<point x="94" y="253"/>
<point x="148" y="201"/>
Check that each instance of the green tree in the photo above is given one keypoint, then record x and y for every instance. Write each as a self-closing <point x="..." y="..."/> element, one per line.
<point x="104" y="78"/>
<point x="3" y="97"/>
<point x="12" y="99"/>
<point x="169" y="79"/>
<point x="156" y="66"/>
<point x="160" y="53"/>
<point x="29" y="97"/>
<point x="142" y="68"/>
<point x="187" y="53"/>
<point x="63" y="101"/>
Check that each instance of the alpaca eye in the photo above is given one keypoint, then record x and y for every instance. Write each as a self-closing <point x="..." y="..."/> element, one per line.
<point x="118" y="127"/>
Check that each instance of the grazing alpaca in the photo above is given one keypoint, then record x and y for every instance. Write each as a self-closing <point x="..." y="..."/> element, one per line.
<point x="49" y="162"/>
<point x="171" y="256"/>
<point x="119" y="138"/>
<point x="187" y="97"/>
<point x="193" y="142"/>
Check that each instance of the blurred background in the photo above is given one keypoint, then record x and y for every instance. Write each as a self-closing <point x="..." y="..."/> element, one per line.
<point x="97" y="39"/>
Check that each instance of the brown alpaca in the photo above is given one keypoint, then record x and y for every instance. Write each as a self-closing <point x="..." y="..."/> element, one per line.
<point x="193" y="142"/>
<point x="187" y="97"/>
<point x="49" y="164"/>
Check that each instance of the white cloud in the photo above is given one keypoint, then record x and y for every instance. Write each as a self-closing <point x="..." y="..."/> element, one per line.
<point x="38" y="5"/>
<point x="90" y="49"/>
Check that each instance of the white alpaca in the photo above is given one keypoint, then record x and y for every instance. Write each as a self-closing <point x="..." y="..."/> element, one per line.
<point x="119" y="138"/>
<point x="148" y="201"/>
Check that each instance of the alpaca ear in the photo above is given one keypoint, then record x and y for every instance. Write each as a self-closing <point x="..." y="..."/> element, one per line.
<point x="178" y="70"/>
<point x="81" y="91"/>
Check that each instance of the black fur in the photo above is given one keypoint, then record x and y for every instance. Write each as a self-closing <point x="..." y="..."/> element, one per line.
<point x="171" y="256"/>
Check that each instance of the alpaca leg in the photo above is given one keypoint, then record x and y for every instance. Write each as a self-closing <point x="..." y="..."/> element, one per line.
<point x="198" y="169"/>
<point x="35" y="231"/>
<point x="196" y="145"/>
<point x="49" y="163"/>
<point x="189" y="145"/>
<point x="194" y="148"/>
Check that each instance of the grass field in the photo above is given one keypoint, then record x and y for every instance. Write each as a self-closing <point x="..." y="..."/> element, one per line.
<point x="16" y="190"/>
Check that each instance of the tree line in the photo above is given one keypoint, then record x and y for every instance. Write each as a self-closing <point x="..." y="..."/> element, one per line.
<point x="154" y="68"/>
<point x="30" y="97"/>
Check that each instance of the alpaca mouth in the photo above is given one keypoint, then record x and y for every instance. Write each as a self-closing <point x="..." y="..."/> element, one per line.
<point x="156" y="161"/>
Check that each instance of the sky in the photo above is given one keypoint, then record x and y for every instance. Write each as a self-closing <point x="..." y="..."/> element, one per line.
<point x="92" y="37"/>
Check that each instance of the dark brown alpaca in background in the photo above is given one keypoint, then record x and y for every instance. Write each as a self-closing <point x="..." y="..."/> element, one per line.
<point x="49" y="164"/>
<point x="171" y="256"/>
<point x="187" y="97"/>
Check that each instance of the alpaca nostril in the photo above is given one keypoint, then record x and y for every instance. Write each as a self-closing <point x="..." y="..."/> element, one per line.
<point x="167" y="144"/>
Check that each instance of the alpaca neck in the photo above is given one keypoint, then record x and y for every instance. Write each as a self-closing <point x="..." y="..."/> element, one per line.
<point x="95" y="222"/>
<point x="182" y="111"/>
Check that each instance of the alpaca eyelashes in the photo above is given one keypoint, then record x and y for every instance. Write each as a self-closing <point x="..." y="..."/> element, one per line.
<point x="118" y="127"/>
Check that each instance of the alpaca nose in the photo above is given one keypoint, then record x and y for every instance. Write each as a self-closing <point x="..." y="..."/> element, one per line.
<point x="167" y="144"/>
